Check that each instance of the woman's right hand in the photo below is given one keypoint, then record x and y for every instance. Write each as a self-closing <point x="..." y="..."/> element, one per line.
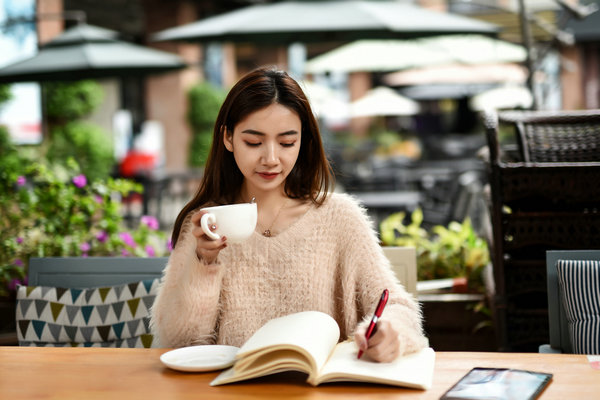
<point x="207" y="249"/>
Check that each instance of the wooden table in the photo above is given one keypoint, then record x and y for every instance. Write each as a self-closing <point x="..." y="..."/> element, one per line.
<point x="97" y="373"/>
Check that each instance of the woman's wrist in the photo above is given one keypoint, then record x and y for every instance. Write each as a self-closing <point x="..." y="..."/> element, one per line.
<point x="204" y="261"/>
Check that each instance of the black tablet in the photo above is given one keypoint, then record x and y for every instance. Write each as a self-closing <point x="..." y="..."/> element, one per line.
<point x="498" y="384"/>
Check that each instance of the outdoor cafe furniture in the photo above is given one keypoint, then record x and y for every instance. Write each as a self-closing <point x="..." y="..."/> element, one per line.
<point x="104" y="373"/>
<point x="573" y="301"/>
<point x="88" y="301"/>
<point x="545" y="186"/>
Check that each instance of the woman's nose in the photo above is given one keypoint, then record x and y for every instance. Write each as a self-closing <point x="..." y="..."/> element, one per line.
<point x="270" y="156"/>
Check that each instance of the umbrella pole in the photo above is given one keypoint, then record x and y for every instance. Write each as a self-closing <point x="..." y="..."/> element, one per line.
<point x="528" y="44"/>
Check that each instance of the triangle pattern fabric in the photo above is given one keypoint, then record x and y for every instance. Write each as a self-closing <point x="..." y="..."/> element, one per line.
<point x="71" y="332"/>
<point x="55" y="331"/>
<point x="24" y="306"/>
<point x="118" y="308"/>
<point x="40" y="305"/>
<point x="23" y="325"/>
<point x="38" y="326"/>
<point x="103" y="293"/>
<point x="118" y="290"/>
<point x="60" y="292"/>
<point x="56" y="309"/>
<point x="75" y="294"/>
<point x="133" y="288"/>
<point x="46" y="290"/>
<point x="102" y="311"/>
<point x="116" y="316"/>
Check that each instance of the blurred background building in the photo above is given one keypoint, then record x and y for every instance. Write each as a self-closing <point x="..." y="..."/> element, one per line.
<point x="399" y="109"/>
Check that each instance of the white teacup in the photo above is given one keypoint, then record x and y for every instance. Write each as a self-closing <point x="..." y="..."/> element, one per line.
<point x="234" y="221"/>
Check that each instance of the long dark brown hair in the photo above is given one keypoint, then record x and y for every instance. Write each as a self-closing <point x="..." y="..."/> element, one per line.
<point x="222" y="180"/>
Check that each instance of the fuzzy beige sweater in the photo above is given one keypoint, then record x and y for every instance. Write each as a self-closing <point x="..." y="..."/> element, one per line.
<point x="328" y="260"/>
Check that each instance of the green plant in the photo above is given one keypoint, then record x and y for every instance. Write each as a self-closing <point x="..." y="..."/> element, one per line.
<point x="204" y="101"/>
<point x="68" y="101"/>
<point x="5" y="93"/>
<point x="86" y="143"/>
<point x="66" y="104"/>
<point x="48" y="212"/>
<point x="445" y="252"/>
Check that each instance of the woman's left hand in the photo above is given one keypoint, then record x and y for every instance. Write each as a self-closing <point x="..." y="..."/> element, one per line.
<point x="383" y="345"/>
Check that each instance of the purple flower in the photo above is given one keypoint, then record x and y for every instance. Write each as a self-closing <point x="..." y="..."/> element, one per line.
<point x="12" y="285"/>
<point x="18" y="262"/>
<point x="127" y="238"/>
<point x="21" y="181"/>
<point x="98" y="199"/>
<point x="124" y="253"/>
<point x="102" y="236"/>
<point x="79" y="181"/>
<point x="169" y="245"/>
<point x="150" y="251"/>
<point x="150" y="221"/>
<point x="19" y="240"/>
<point x="85" y="247"/>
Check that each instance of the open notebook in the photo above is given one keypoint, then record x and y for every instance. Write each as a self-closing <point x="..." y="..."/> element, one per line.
<point x="308" y="342"/>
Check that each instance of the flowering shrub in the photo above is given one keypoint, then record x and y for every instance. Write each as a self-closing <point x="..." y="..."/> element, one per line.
<point x="48" y="212"/>
<point x="445" y="252"/>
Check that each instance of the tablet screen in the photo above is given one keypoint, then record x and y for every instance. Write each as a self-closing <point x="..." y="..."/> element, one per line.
<point x="498" y="384"/>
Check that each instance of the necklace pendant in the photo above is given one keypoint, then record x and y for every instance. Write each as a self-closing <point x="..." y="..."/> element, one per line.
<point x="267" y="233"/>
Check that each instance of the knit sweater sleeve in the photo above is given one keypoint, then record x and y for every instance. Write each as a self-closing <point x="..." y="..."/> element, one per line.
<point x="369" y="272"/>
<point x="185" y="310"/>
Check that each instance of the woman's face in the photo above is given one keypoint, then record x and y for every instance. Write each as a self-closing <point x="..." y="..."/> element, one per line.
<point x="265" y="146"/>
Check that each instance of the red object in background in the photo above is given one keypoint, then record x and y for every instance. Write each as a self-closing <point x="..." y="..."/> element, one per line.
<point x="137" y="163"/>
<point x="460" y="285"/>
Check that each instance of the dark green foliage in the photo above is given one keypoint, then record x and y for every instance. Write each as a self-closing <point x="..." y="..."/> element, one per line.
<point x="204" y="101"/>
<point x="5" y="94"/>
<point x="71" y="100"/>
<point x="87" y="144"/>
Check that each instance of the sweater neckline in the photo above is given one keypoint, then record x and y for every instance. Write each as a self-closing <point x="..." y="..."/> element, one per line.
<point x="291" y="228"/>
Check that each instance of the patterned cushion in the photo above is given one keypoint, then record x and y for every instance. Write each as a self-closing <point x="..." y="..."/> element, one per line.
<point x="115" y="316"/>
<point x="579" y="282"/>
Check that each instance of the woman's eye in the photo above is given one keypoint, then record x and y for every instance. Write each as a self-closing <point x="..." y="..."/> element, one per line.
<point x="288" y="144"/>
<point x="253" y="144"/>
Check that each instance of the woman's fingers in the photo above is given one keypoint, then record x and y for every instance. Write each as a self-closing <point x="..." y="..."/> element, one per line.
<point x="206" y="249"/>
<point x="384" y="345"/>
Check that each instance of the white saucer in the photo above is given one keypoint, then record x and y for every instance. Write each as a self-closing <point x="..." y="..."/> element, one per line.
<point x="200" y="358"/>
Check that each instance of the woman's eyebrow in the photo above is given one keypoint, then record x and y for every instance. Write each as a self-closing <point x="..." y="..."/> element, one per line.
<point x="254" y="132"/>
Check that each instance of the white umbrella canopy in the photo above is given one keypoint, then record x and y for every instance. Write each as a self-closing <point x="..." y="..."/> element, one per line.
<point x="383" y="101"/>
<point x="324" y="102"/>
<point x="88" y="52"/>
<point x="459" y="73"/>
<point x="394" y="55"/>
<point x="502" y="98"/>
<point x="311" y="21"/>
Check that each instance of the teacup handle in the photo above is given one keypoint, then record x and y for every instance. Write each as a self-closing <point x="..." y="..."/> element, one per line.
<point x="207" y="219"/>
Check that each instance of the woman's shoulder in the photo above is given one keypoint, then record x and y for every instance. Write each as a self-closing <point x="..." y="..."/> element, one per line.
<point x="342" y="204"/>
<point x="340" y="200"/>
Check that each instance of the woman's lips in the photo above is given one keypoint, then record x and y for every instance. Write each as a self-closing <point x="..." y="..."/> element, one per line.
<point x="268" y="175"/>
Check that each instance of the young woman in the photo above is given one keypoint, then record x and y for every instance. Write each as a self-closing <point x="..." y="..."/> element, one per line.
<point x="312" y="250"/>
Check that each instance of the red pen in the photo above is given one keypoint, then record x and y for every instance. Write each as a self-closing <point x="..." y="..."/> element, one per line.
<point x="373" y="325"/>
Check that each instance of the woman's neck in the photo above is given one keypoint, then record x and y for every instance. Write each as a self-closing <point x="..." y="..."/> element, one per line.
<point x="264" y="199"/>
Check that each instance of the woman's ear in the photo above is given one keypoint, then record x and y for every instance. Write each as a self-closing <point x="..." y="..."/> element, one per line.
<point x="227" y="139"/>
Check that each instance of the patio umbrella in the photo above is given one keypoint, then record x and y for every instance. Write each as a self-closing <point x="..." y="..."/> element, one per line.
<point x="459" y="73"/>
<point x="383" y="101"/>
<point x="325" y="103"/>
<point x="88" y="52"/>
<point x="312" y="21"/>
<point x="507" y="97"/>
<point x="394" y="55"/>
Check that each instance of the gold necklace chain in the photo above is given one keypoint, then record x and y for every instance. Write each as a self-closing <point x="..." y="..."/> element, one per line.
<point x="267" y="232"/>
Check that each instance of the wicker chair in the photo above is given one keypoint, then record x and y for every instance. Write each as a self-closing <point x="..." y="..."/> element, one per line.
<point x="545" y="187"/>
<point x="556" y="136"/>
